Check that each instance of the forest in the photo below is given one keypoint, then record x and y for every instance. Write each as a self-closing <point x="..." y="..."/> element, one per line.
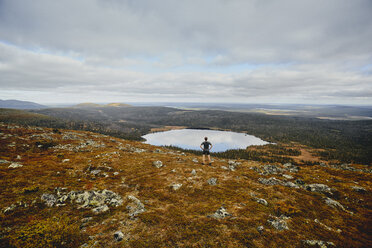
<point x="345" y="141"/>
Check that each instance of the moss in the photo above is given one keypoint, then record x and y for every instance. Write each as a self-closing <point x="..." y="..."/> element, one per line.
<point x="52" y="232"/>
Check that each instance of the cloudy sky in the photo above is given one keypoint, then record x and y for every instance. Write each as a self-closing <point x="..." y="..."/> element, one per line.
<point x="246" y="51"/>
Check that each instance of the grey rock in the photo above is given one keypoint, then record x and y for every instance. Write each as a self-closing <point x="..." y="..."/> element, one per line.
<point x="262" y="201"/>
<point x="279" y="223"/>
<point x="359" y="189"/>
<point x="9" y="209"/>
<point x="291" y="185"/>
<point x="260" y="229"/>
<point x="15" y="165"/>
<point x="100" y="209"/>
<point x="193" y="172"/>
<point x="212" y="181"/>
<point x="176" y="186"/>
<point x="116" y="173"/>
<point x="195" y="160"/>
<point x="157" y="164"/>
<point x="287" y="176"/>
<point x="220" y="213"/>
<point x="318" y="187"/>
<point x="270" y="181"/>
<point x="224" y="167"/>
<point x="118" y="236"/>
<point x="49" y="199"/>
<point x="95" y="172"/>
<point x="318" y="243"/>
<point x="65" y="160"/>
<point x="136" y="207"/>
<point x="3" y="161"/>
<point x="332" y="203"/>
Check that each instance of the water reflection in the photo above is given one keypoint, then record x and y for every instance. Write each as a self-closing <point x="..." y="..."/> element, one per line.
<point x="192" y="138"/>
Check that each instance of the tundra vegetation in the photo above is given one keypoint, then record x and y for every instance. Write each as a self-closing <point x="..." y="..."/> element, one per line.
<point x="68" y="188"/>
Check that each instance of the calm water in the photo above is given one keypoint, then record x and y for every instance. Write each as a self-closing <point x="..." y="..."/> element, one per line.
<point x="192" y="138"/>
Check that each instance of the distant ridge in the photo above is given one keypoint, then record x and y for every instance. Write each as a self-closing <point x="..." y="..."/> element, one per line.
<point x="16" y="104"/>
<point x="95" y="105"/>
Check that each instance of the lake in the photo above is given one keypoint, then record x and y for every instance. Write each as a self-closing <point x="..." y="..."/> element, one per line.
<point x="192" y="138"/>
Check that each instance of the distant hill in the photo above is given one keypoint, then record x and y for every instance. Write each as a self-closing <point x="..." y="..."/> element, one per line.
<point x="95" y="105"/>
<point x="16" y="104"/>
<point x="117" y="105"/>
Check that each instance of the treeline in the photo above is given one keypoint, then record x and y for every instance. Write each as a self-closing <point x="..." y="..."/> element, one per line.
<point x="119" y="130"/>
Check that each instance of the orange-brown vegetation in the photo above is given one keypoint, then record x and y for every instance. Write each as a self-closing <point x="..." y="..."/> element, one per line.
<point x="173" y="218"/>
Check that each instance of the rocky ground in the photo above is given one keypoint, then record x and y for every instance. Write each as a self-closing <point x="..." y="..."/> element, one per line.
<point x="61" y="188"/>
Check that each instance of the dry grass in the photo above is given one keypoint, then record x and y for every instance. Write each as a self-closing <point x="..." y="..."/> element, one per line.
<point x="176" y="218"/>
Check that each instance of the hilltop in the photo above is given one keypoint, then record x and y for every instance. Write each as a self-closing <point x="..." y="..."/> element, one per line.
<point x="95" y="105"/>
<point x="65" y="188"/>
<point x="16" y="104"/>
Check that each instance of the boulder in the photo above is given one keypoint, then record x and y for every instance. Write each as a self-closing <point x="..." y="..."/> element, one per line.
<point x="279" y="223"/>
<point x="212" y="181"/>
<point x="176" y="186"/>
<point x="318" y="187"/>
<point x="15" y="165"/>
<point x="220" y="213"/>
<point x="136" y="207"/>
<point x="318" y="243"/>
<point x="157" y="164"/>
<point x="118" y="236"/>
<point x="270" y="181"/>
<point x="332" y="203"/>
<point x="262" y="201"/>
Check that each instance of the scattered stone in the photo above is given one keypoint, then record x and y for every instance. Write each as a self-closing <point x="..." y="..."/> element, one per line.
<point x="287" y="176"/>
<point x="49" y="199"/>
<point x="299" y="182"/>
<point x="95" y="172"/>
<point x="65" y="160"/>
<point x="212" y="181"/>
<point x="332" y="203"/>
<point x="3" y="161"/>
<point x="195" y="160"/>
<point x="359" y="189"/>
<point x="270" y="181"/>
<point x="118" y="236"/>
<point x="262" y="201"/>
<point x="318" y="187"/>
<point x="100" y="209"/>
<point x="15" y="165"/>
<point x="19" y="157"/>
<point x="224" y="167"/>
<point x="176" y="186"/>
<point x="318" y="243"/>
<point x="291" y="185"/>
<point x="98" y="200"/>
<point x="158" y="151"/>
<point x="157" y="164"/>
<point x="260" y="229"/>
<point x="279" y="223"/>
<point x="193" y="172"/>
<point x="220" y="213"/>
<point x="116" y="173"/>
<point x="9" y="209"/>
<point x="136" y="207"/>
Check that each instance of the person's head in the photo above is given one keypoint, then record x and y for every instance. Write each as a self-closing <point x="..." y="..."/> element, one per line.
<point x="205" y="138"/>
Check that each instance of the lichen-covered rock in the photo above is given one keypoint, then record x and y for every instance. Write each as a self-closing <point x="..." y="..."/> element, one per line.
<point x="118" y="236"/>
<point x="15" y="165"/>
<point x="279" y="223"/>
<point x="49" y="199"/>
<point x="318" y="243"/>
<point x="270" y="181"/>
<point x="157" y="164"/>
<point x="212" y="181"/>
<point x="262" y="201"/>
<point x="220" y="213"/>
<point x="260" y="229"/>
<point x="332" y="203"/>
<point x="193" y="172"/>
<point x="176" y="186"/>
<point x="318" y="187"/>
<point x="100" y="209"/>
<point x="136" y="207"/>
<point x="359" y="189"/>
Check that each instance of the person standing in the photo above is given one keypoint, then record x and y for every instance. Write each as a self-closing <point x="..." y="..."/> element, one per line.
<point x="206" y="146"/>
